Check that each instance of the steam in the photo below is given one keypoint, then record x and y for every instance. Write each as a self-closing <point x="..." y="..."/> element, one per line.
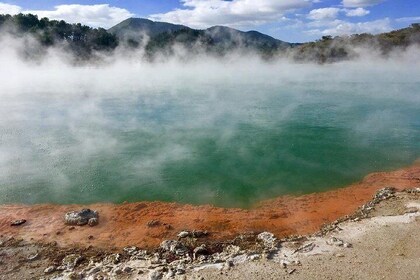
<point x="227" y="131"/>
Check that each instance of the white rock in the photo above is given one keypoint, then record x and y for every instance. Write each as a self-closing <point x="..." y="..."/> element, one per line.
<point x="267" y="238"/>
<point x="183" y="234"/>
<point x="49" y="269"/>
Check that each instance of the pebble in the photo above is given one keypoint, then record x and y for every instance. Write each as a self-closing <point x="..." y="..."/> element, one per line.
<point x="155" y="275"/>
<point x="284" y="263"/>
<point x="118" y="271"/>
<point x="127" y="269"/>
<point x="33" y="257"/>
<point x="49" y="270"/>
<point x="17" y="222"/>
<point x="229" y="263"/>
<point x="183" y="234"/>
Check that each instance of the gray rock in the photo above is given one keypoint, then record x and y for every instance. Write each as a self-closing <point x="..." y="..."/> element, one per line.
<point x="338" y="242"/>
<point x="232" y="250"/>
<point x="229" y="263"/>
<point x="173" y="246"/>
<point x="131" y="250"/>
<point x="93" y="222"/>
<point x="335" y="241"/>
<point x="170" y="274"/>
<point x="199" y="233"/>
<point x="71" y="261"/>
<point x="112" y="259"/>
<point x="384" y="193"/>
<point x="200" y="250"/>
<point x="155" y="275"/>
<point x="127" y="269"/>
<point x="118" y="271"/>
<point x="83" y="217"/>
<point x="74" y="276"/>
<point x="180" y="269"/>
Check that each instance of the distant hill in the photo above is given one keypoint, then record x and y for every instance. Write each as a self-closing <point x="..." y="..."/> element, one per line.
<point x="136" y="26"/>
<point x="166" y="39"/>
<point x="227" y="36"/>
<point x="331" y="49"/>
<point x="217" y="39"/>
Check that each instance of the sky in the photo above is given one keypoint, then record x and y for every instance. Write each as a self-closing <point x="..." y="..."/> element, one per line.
<point x="287" y="20"/>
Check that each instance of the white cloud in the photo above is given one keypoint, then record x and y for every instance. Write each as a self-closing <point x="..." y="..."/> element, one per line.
<point x="205" y="13"/>
<point x="359" y="12"/>
<point x="101" y="15"/>
<point x="324" y="13"/>
<point x="9" y="9"/>
<point x="340" y="27"/>
<point x="361" y="3"/>
<point x="408" y="19"/>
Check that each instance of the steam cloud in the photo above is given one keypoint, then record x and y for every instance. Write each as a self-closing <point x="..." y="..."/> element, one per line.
<point x="227" y="131"/>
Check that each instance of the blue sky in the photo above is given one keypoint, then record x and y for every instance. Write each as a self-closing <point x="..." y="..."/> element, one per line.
<point x="288" y="20"/>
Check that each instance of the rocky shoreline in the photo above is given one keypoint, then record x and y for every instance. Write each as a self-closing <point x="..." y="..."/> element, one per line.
<point x="38" y="243"/>
<point x="190" y="255"/>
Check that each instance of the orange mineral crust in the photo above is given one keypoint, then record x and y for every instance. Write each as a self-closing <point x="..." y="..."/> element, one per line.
<point x="146" y="224"/>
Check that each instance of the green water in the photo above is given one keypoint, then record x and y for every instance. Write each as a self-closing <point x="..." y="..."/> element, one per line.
<point x="228" y="142"/>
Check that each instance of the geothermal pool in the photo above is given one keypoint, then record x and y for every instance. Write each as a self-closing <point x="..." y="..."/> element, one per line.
<point x="224" y="134"/>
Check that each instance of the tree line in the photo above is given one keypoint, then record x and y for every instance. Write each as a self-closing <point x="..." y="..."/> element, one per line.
<point x="85" y="41"/>
<point x="80" y="39"/>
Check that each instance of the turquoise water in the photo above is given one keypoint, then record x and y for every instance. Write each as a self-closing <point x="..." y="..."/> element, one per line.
<point x="229" y="140"/>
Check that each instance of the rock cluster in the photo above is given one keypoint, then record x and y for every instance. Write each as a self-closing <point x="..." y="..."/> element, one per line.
<point x="413" y="190"/>
<point x="338" y="242"/>
<point x="173" y="246"/>
<point x="380" y="195"/>
<point x="268" y="239"/>
<point x="175" y="257"/>
<point x="81" y="218"/>
<point x="193" y="234"/>
<point x="383" y="194"/>
<point x="361" y="213"/>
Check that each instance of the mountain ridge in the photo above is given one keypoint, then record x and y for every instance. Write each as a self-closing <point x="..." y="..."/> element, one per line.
<point x="160" y="36"/>
<point x="153" y="28"/>
<point x="167" y="39"/>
